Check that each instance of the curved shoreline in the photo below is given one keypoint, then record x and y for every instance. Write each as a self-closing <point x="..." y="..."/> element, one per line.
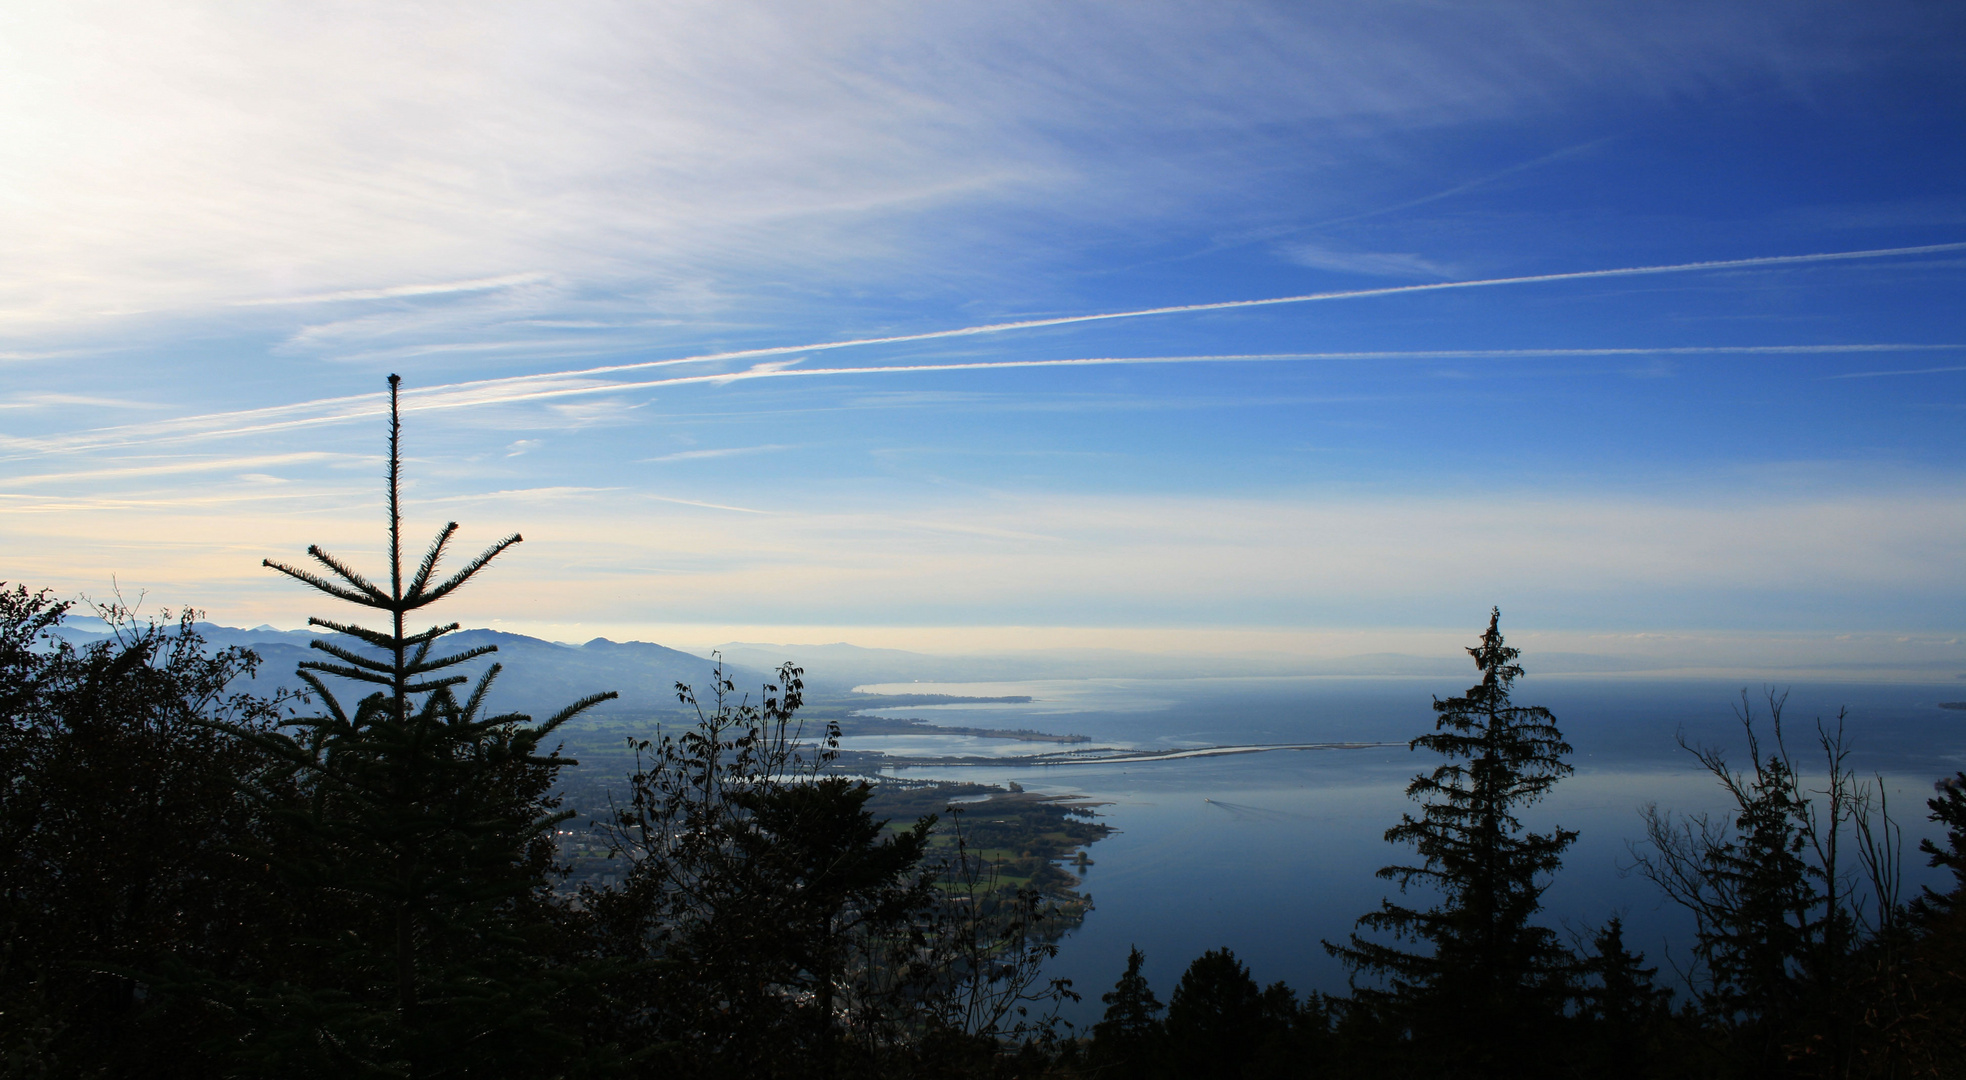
<point x="1118" y="757"/>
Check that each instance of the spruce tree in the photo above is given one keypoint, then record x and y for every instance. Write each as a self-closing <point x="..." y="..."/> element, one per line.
<point x="426" y="839"/>
<point x="1126" y="1042"/>
<point x="1778" y="919"/>
<point x="1215" y="1019"/>
<point x="1487" y="986"/>
<point x="1622" y="1012"/>
<point x="1934" y="971"/>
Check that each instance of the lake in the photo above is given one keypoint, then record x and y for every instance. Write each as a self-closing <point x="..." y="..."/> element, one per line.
<point x="1267" y="853"/>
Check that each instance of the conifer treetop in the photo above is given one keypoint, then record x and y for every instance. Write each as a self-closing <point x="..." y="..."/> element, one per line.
<point x="409" y="653"/>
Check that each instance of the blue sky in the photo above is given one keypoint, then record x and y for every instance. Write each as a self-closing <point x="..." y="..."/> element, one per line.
<point x="223" y="226"/>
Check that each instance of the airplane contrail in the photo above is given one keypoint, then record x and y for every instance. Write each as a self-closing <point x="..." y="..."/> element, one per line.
<point x="535" y="388"/>
<point x="500" y="390"/>
<point x="1227" y="305"/>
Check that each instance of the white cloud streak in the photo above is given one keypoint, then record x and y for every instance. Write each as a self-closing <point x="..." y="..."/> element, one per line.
<point x="1231" y="305"/>
<point x="1468" y="185"/>
<point x="1911" y="371"/>
<point x="400" y="291"/>
<point x="719" y="452"/>
<point x="525" y="388"/>
<point x="192" y="157"/>
<point x="171" y="468"/>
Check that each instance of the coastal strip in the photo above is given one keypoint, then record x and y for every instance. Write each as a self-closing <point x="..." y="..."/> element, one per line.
<point x="1109" y="756"/>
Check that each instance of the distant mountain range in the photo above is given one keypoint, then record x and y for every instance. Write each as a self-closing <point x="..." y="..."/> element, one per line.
<point x="537" y="677"/>
<point x="540" y="677"/>
<point x="853" y="664"/>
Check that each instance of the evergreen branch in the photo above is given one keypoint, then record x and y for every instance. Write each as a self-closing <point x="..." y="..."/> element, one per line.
<point x="418" y="665"/>
<point x="471" y="568"/>
<point x="374" y="637"/>
<point x="350" y="655"/>
<point x="381" y="639"/>
<point x="574" y="710"/>
<point x="347" y="573"/>
<point x="477" y="698"/>
<point x="327" y="696"/>
<point x="435" y="684"/>
<point x="432" y="634"/>
<point x="346" y="672"/>
<point x="423" y="572"/>
<point x="321" y="583"/>
<point x="422" y="653"/>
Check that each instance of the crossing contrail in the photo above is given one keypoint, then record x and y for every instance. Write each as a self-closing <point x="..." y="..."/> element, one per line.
<point x="1229" y="305"/>
<point x="532" y="388"/>
<point x="583" y="381"/>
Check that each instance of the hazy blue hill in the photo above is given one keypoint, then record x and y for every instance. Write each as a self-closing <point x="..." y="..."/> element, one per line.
<point x="539" y="677"/>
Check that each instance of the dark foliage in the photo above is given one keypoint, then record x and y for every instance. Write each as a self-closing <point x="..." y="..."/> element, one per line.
<point x="1624" y="1016"/>
<point x="1214" y="1018"/>
<point x="1948" y="808"/>
<point x="754" y="879"/>
<point x="1915" y="993"/>
<point x="1778" y="911"/>
<point x="1126" y="1042"/>
<point x="778" y="928"/>
<point x="122" y="829"/>
<point x="1490" y="984"/>
<point x="423" y="847"/>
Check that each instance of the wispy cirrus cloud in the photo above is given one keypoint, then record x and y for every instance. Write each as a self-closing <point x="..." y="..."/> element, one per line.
<point x="1378" y="263"/>
<point x="1908" y="371"/>
<point x="394" y="292"/>
<point x="197" y="159"/>
<point x="1466" y="186"/>
<point x="152" y="468"/>
<point x="716" y="452"/>
<point x="527" y="389"/>
<point x="54" y="400"/>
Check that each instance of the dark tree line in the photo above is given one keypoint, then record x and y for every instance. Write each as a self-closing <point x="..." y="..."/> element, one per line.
<point x="1806" y="962"/>
<point x="200" y="883"/>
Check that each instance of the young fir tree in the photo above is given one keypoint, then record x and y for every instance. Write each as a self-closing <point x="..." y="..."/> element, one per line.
<point x="426" y="842"/>
<point x="1215" y="1019"/>
<point x="1622" y="1012"/>
<point x="1488" y="987"/>
<point x="1126" y="1042"/>
<point x="1777" y="916"/>
<point x="1934" y="972"/>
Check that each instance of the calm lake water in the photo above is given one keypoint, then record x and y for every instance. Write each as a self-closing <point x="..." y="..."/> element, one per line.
<point x="1267" y="853"/>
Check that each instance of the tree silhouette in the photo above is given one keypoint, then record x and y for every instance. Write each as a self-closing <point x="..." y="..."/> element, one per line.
<point x="1214" y="1018"/>
<point x="1778" y="917"/>
<point x="1127" y="1040"/>
<point x="428" y="832"/>
<point x="1932" y="1031"/>
<point x="120" y="823"/>
<point x="1622" y="1012"/>
<point x="758" y="889"/>
<point x="1481" y="999"/>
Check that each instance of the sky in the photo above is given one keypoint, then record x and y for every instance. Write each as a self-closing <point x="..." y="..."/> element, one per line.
<point x="930" y="325"/>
